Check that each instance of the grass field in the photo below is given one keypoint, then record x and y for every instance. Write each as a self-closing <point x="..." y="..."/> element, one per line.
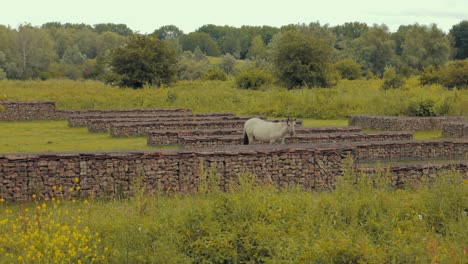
<point x="349" y="97"/>
<point x="56" y="136"/>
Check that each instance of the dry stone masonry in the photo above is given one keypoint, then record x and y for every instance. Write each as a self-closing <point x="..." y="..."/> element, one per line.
<point x="401" y="123"/>
<point x="171" y="137"/>
<point x="113" y="174"/>
<point x="455" y="129"/>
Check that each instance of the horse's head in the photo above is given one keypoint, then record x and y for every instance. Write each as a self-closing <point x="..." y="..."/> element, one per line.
<point x="291" y="123"/>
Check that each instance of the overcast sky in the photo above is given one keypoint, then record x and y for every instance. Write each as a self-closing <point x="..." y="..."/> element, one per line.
<point x="145" y="16"/>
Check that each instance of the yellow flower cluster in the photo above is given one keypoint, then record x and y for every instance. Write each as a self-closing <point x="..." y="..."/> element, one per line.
<point x="45" y="234"/>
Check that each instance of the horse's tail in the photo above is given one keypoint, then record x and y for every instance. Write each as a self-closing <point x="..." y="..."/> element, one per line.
<point x="246" y="138"/>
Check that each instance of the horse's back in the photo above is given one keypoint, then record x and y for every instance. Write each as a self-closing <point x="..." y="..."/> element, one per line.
<point x="252" y="122"/>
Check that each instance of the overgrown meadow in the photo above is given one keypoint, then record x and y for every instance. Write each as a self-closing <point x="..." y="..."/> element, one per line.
<point x="362" y="220"/>
<point x="349" y="97"/>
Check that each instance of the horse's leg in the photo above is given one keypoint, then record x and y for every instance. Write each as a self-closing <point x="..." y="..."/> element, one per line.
<point x="251" y="138"/>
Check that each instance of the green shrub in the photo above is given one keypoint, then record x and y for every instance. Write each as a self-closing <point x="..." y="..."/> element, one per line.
<point x="430" y="75"/>
<point x="348" y="69"/>
<point x="253" y="78"/>
<point x="455" y="74"/>
<point x="423" y="108"/>
<point x="214" y="74"/>
<point x="392" y="79"/>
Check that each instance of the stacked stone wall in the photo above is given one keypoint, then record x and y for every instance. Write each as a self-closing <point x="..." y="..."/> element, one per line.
<point x="401" y="123"/>
<point x="171" y="137"/>
<point x="455" y="129"/>
<point x="104" y="125"/>
<point x="189" y="142"/>
<point x="143" y="128"/>
<point x="83" y="119"/>
<point x="114" y="174"/>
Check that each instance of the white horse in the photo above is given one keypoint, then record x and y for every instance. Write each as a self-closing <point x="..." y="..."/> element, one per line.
<point x="268" y="132"/>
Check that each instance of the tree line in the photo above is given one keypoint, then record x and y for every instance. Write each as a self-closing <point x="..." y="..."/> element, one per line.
<point x="295" y="55"/>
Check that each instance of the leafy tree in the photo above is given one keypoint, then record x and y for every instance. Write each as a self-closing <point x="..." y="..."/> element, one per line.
<point x="230" y="43"/>
<point x="216" y="32"/>
<point x="144" y="60"/>
<point x="227" y="63"/>
<point x="257" y="48"/>
<point x="374" y="49"/>
<point x="73" y="56"/>
<point x="192" y="67"/>
<point x="399" y="37"/>
<point x="120" y="29"/>
<point x="202" y="40"/>
<point x="301" y="59"/>
<point x="34" y="51"/>
<point x="424" y="46"/>
<point x="167" y="32"/>
<point x="459" y="32"/>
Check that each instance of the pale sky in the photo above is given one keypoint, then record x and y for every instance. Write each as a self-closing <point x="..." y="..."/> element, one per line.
<point x="145" y="16"/>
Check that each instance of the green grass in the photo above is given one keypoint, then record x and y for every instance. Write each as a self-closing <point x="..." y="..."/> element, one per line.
<point x="56" y="136"/>
<point x="349" y="97"/>
<point x="365" y="222"/>
<point x="427" y="134"/>
<point x="324" y="122"/>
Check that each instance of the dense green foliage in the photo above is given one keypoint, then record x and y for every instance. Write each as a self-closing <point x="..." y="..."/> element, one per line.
<point x="302" y="59"/>
<point x="80" y="51"/>
<point x="349" y="97"/>
<point x="459" y="32"/>
<point x="348" y="69"/>
<point x="253" y="78"/>
<point x="392" y="79"/>
<point x="362" y="221"/>
<point x="215" y="74"/>
<point x="453" y="74"/>
<point x="143" y="61"/>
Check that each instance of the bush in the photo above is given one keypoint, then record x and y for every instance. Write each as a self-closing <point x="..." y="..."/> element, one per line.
<point x="392" y="79"/>
<point x="455" y="74"/>
<point x="430" y="75"/>
<point x="348" y="68"/>
<point x="423" y="108"/>
<point x="214" y="74"/>
<point x="253" y="78"/>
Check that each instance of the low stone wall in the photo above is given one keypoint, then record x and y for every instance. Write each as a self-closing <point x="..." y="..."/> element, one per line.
<point x="401" y="123"/>
<point x="18" y="110"/>
<point x="455" y="129"/>
<point x="411" y="150"/>
<point x="143" y="128"/>
<point x="171" y="137"/>
<point x="46" y="110"/>
<point x="82" y="120"/>
<point x="189" y="142"/>
<point x="415" y="174"/>
<point x="104" y="125"/>
<point x="114" y="173"/>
